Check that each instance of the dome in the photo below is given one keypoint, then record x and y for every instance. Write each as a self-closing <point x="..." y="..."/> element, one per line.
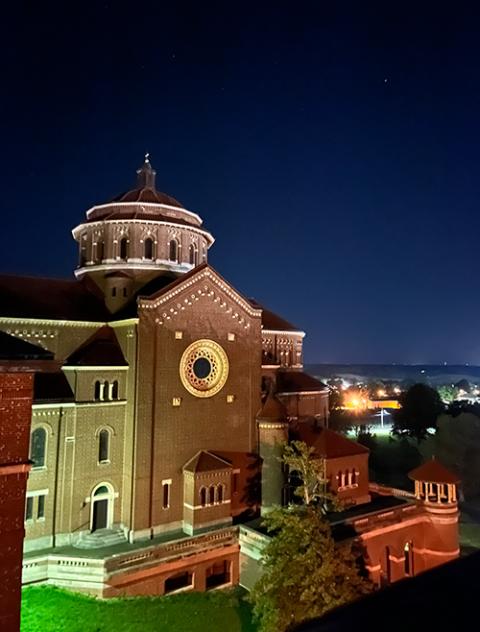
<point x="145" y="190"/>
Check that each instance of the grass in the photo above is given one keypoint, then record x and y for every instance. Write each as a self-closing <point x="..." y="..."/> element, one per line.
<point x="49" y="609"/>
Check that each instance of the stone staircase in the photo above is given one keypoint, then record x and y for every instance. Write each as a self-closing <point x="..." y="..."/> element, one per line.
<point x="99" y="538"/>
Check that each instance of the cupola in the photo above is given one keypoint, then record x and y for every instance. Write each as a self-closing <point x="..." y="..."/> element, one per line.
<point x="137" y="236"/>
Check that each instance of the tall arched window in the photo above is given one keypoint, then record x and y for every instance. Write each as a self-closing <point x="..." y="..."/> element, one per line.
<point x="220" y="494"/>
<point x="192" y="254"/>
<point x="115" y="390"/>
<point x="203" y="496"/>
<point x="148" y="248"/>
<point x="100" y="250"/>
<point x="98" y="388"/>
<point x="106" y="390"/>
<point x="103" y="446"/>
<point x="173" y="250"/>
<point x="408" y="559"/>
<point x="124" y="248"/>
<point x="211" y="495"/>
<point x="38" y="444"/>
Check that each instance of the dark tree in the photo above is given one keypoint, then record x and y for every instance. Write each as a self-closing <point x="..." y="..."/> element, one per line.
<point x="420" y="407"/>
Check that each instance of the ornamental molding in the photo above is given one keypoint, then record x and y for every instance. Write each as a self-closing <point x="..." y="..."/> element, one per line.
<point x="48" y="321"/>
<point x="278" y="332"/>
<point x="207" y="290"/>
<point x="146" y="205"/>
<point x="142" y="222"/>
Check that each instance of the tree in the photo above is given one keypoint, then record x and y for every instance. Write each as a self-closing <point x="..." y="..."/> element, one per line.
<point x="456" y="444"/>
<point x="305" y="573"/>
<point x="300" y="459"/>
<point x="448" y="393"/>
<point x="420" y="407"/>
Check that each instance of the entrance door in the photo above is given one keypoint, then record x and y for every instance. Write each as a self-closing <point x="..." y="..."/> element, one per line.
<point x="100" y="514"/>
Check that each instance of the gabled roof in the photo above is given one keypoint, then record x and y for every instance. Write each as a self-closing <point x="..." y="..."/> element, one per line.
<point x="52" y="387"/>
<point x="205" y="461"/>
<point x="101" y="349"/>
<point x="327" y="443"/>
<point x="273" y="321"/>
<point x="297" y="382"/>
<point x="203" y="270"/>
<point x="433" y="471"/>
<point x="12" y="348"/>
<point x="56" y="299"/>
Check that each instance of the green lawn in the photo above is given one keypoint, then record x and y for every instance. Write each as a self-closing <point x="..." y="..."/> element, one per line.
<point x="47" y="609"/>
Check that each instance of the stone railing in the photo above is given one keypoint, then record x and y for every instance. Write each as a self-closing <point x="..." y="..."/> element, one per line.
<point x="168" y="550"/>
<point x="383" y="490"/>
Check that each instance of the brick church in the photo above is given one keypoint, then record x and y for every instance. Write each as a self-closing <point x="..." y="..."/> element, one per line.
<point x="154" y="445"/>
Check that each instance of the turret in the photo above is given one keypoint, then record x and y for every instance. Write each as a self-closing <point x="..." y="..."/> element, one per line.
<point x="272" y="436"/>
<point x="435" y="491"/>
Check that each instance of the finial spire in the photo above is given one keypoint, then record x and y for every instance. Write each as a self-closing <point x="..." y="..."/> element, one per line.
<point x="146" y="174"/>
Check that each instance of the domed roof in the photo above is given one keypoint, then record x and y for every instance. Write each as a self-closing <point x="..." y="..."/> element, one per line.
<point x="145" y="190"/>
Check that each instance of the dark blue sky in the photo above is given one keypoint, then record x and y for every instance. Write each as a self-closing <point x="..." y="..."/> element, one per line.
<point x="331" y="148"/>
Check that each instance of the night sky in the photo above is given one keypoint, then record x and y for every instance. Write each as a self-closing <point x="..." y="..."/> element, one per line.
<point x="331" y="148"/>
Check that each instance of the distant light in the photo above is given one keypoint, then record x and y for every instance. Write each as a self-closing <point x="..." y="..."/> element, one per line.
<point x="422" y="371"/>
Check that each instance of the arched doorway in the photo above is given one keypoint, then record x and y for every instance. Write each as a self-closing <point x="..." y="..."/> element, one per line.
<point x="102" y="507"/>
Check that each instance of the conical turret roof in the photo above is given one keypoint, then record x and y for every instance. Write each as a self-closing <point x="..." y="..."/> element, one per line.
<point x="272" y="410"/>
<point x="433" y="471"/>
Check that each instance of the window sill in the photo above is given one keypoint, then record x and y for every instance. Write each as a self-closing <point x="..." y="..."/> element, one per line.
<point x="100" y="463"/>
<point x="43" y="468"/>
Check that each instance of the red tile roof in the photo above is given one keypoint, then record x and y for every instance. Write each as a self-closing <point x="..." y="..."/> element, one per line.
<point x="298" y="382"/>
<point x="433" y="471"/>
<point x="56" y="299"/>
<point x="273" y="321"/>
<point x="205" y="461"/>
<point x="272" y="410"/>
<point x="148" y="195"/>
<point x="52" y="387"/>
<point x="101" y="349"/>
<point x="13" y="348"/>
<point x="327" y="443"/>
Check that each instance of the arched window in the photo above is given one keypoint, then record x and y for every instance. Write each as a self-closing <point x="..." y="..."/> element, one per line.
<point x="203" y="496"/>
<point x="115" y="390"/>
<point x="100" y="251"/>
<point x="220" y="494"/>
<point x="106" y="390"/>
<point x="124" y="248"/>
<point x="192" y="254"/>
<point x="38" y="444"/>
<point x="103" y="446"/>
<point x="354" y="476"/>
<point x="98" y="389"/>
<point x="173" y="250"/>
<point x="148" y="248"/>
<point x="211" y="495"/>
<point x="408" y="559"/>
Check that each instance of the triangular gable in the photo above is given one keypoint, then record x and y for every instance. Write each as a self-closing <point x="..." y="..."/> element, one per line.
<point x="203" y="272"/>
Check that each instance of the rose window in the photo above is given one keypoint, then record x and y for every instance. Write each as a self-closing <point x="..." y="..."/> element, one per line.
<point x="204" y="368"/>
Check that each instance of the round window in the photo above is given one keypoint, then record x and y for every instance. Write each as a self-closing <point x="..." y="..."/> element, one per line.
<point x="204" y="368"/>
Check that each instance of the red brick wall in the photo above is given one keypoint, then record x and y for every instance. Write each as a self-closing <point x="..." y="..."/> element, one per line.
<point x="15" y="416"/>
